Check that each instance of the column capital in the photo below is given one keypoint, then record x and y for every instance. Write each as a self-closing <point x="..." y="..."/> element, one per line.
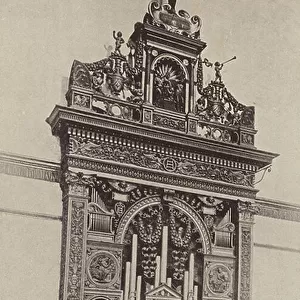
<point x="247" y="210"/>
<point x="77" y="184"/>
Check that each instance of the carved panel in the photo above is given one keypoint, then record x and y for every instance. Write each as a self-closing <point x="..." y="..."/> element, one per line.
<point x="168" y="122"/>
<point x="103" y="269"/>
<point x="75" y="252"/>
<point x="218" y="278"/>
<point x="245" y="263"/>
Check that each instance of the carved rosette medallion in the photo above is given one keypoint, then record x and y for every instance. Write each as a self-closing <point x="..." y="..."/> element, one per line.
<point x="103" y="269"/>
<point x="219" y="280"/>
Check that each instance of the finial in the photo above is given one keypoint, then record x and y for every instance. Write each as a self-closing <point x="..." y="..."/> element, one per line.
<point x="119" y="41"/>
<point x="218" y="67"/>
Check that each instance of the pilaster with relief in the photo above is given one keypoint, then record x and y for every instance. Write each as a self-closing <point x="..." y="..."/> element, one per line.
<point x="75" y="200"/>
<point x="246" y="212"/>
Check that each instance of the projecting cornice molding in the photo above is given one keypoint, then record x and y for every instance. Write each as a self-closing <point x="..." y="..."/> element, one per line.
<point x="278" y="209"/>
<point x="29" y="167"/>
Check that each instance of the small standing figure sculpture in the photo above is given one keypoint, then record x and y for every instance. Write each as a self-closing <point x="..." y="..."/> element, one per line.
<point x="218" y="67"/>
<point x="119" y="41"/>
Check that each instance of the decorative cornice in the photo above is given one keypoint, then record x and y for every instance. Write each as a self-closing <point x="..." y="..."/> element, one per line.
<point x="34" y="168"/>
<point x="278" y="209"/>
<point x="29" y="167"/>
<point x="62" y="115"/>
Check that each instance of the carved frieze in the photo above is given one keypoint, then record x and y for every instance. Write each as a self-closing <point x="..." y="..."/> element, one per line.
<point x="159" y="161"/>
<point x="168" y="122"/>
<point x="159" y="178"/>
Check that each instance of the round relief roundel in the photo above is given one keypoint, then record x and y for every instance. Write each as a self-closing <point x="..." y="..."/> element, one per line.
<point x="103" y="269"/>
<point x="219" y="279"/>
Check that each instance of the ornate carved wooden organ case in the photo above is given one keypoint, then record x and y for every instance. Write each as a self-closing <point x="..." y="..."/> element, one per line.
<point x="157" y="171"/>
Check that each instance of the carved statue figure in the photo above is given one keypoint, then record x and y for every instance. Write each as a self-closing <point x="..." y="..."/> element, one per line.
<point x="169" y="90"/>
<point x="119" y="41"/>
<point x="218" y="68"/>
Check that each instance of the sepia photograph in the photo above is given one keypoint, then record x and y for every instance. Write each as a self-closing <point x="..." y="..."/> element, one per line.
<point x="150" y="150"/>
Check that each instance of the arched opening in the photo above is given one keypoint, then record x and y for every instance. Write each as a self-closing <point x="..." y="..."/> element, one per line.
<point x="164" y="245"/>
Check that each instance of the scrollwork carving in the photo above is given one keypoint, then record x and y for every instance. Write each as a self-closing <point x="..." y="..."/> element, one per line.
<point x="163" y="14"/>
<point x="181" y="238"/>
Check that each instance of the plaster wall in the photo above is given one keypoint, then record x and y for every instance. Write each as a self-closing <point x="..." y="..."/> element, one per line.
<point x="29" y="246"/>
<point x="276" y="259"/>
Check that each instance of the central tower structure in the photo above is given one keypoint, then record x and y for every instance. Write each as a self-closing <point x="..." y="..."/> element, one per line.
<point x="157" y="171"/>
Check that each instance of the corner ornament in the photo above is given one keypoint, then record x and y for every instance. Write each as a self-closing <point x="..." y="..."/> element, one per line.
<point x="247" y="210"/>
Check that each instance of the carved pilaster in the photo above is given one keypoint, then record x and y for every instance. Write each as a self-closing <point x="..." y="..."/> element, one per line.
<point x="246" y="211"/>
<point x="74" y="233"/>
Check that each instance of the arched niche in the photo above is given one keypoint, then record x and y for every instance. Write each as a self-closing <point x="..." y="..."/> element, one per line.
<point x="169" y="83"/>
